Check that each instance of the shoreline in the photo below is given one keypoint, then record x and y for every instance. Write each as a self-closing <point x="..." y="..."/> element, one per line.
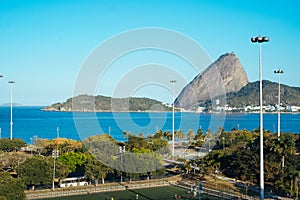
<point x="153" y="111"/>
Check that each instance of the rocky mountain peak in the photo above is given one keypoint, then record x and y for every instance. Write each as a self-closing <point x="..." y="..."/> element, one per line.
<point x="224" y="75"/>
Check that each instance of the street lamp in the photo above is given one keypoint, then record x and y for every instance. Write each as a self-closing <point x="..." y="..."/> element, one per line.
<point x="279" y="71"/>
<point x="173" y="110"/>
<point x="55" y="154"/>
<point x="11" y="122"/>
<point x="122" y="152"/>
<point x="261" y="40"/>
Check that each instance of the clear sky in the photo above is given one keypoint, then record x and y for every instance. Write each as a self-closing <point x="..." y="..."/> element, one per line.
<point x="44" y="43"/>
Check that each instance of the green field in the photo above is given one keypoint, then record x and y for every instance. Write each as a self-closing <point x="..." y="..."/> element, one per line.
<point x="160" y="193"/>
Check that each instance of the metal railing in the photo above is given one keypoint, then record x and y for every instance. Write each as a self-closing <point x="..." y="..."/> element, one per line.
<point x="90" y="189"/>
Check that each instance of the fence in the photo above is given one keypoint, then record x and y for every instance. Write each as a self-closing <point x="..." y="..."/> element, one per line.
<point x="108" y="187"/>
<point x="212" y="192"/>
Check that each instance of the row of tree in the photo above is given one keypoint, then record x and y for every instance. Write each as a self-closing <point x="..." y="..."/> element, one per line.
<point x="234" y="153"/>
<point x="95" y="158"/>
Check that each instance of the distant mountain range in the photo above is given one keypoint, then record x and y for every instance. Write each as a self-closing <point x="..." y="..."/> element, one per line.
<point x="224" y="82"/>
<point x="14" y="104"/>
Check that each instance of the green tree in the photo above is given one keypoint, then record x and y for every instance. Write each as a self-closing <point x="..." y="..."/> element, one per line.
<point x="36" y="170"/>
<point x="199" y="137"/>
<point x="104" y="148"/>
<point x="180" y="135"/>
<point x="61" y="169"/>
<point x="11" y="188"/>
<point x="284" y="146"/>
<point x="158" y="135"/>
<point x="190" y="135"/>
<point x="286" y="181"/>
<point x="14" y="144"/>
<point x="187" y="166"/>
<point x="167" y="135"/>
<point x="11" y="160"/>
<point x="94" y="169"/>
<point x="46" y="147"/>
<point x="208" y="134"/>
<point x="212" y="161"/>
<point x="135" y="142"/>
<point x="74" y="161"/>
<point x="160" y="146"/>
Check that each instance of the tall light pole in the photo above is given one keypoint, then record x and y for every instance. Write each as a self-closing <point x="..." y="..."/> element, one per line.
<point x="260" y="40"/>
<point x="11" y="121"/>
<point x="55" y="154"/>
<point x="279" y="71"/>
<point x="173" y="122"/>
<point x="122" y="152"/>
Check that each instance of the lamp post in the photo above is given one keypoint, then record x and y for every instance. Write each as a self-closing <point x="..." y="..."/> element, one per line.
<point x="11" y="122"/>
<point x="122" y="152"/>
<point x="279" y="71"/>
<point x="55" y="154"/>
<point x="173" y="110"/>
<point x="261" y="40"/>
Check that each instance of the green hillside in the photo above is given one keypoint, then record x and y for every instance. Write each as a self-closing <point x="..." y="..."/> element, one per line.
<point x="103" y="103"/>
<point x="249" y="95"/>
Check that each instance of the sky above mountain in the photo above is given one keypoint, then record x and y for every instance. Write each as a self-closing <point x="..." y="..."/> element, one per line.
<point x="45" y="45"/>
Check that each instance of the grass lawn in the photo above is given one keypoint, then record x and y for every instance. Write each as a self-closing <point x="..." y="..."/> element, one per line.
<point x="160" y="193"/>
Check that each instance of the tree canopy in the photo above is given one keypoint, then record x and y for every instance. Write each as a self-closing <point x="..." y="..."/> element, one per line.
<point x="35" y="170"/>
<point x="11" y="188"/>
<point x="8" y="145"/>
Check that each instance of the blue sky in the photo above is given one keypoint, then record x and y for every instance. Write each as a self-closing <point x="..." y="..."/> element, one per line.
<point x="44" y="44"/>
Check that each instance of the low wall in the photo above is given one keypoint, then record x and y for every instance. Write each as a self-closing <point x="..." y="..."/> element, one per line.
<point x="90" y="189"/>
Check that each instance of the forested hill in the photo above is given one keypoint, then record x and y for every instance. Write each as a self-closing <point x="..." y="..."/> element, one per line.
<point x="103" y="103"/>
<point x="249" y="95"/>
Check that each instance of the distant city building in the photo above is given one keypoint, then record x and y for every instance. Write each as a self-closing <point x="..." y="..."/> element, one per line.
<point x="251" y="108"/>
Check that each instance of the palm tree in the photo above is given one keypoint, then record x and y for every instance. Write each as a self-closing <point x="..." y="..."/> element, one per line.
<point x="284" y="146"/>
<point x="180" y="134"/>
<point x="199" y="137"/>
<point x="159" y="134"/>
<point x="190" y="135"/>
<point x="97" y="170"/>
<point x="167" y="135"/>
<point x="125" y="135"/>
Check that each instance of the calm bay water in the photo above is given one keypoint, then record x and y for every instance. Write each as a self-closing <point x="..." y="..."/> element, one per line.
<point x="31" y="121"/>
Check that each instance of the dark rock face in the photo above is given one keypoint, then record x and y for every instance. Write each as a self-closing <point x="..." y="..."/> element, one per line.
<point x="225" y="75"/>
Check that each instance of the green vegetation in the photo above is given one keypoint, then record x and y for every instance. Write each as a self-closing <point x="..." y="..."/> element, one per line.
<point x="9" y="145"/>
<point x="35" y="170"/>
<point x="240" y="159"/>
<point x="11" y="188"/>
<point x="249" y="95"/>
<point x="103" y="103"/>
<point x="234" y="154"/>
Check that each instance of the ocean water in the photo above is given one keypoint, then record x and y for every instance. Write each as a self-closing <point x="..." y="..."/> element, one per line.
<point x="30" y="122"/>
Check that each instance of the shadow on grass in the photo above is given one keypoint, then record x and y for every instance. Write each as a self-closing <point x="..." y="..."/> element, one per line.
<point x="140" y="194"/>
